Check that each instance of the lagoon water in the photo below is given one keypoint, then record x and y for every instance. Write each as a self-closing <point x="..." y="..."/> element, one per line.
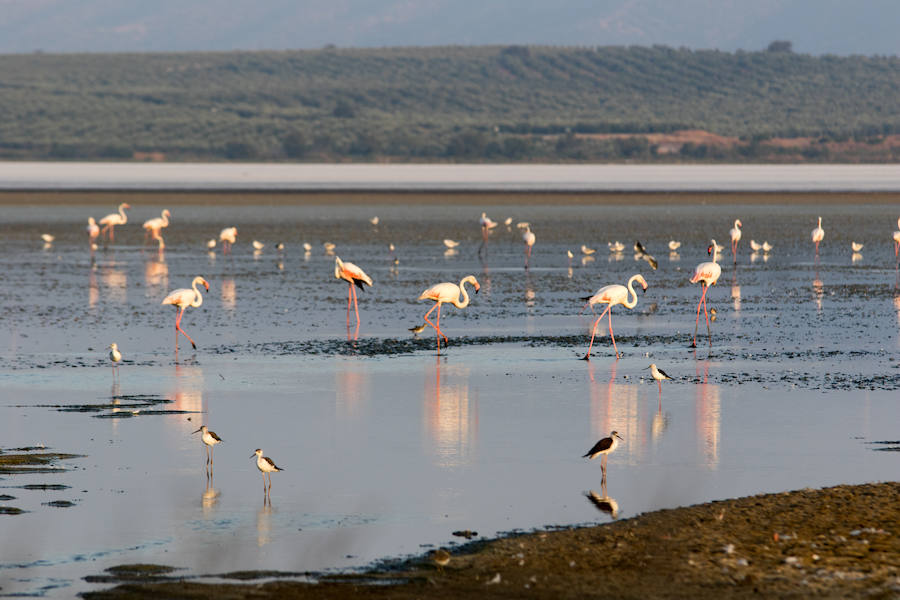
<point x="388" y="447"/>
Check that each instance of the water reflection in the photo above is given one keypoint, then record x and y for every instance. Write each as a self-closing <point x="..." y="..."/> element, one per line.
<point x="736" y="292"/>
<point x="708" y="417"/>
<point x="450" y="252"/>
<point x="229" y="296"/>
<point x="856" y="257"/>
<point x="602" y="501"/>
<point x="818" y="291"/>
<point x="529" y="292"/>
<point x="264" y="522"/>
<point x="209" y="499"/>
<point x="93" y="288"/>
<point x="187" y="391"/>
<point x="352" y="388"/>
<point x="156" y="275"/>
<point x="754" y="256"/>
<point x="615" y="406"/>
<point x="115" y="283"/>
<point x="586" y="260"/>
<point x="451" y="419"/>
<point x="674" y="256"/>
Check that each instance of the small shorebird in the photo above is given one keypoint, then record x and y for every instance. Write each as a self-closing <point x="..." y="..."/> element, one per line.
<point x="210" y="244"/>
<point x="755" y="246"/>
<point x="111" y="220"/>
<point x="766" y="246"/>
<point x="210" y="439"/>
<point x="603" y="448"/>
<point x="707" y="273"/>
<point x="641" y="252"/>
<point x="450" y="243"/>
<point x="279" y="246"/>
<point x="354" y="276"/>
<point x="616" y="246"/>
<point x="659" y="375"/>
<point x="586" y="250"/>
<point x="48" y="239"/>
<point x="116" y="357"/>
<point x="673" y="245"/>
<point x="329" y="247"/>
<point x="418" y="328"/>
<point x="374" y="221"/>
<point x="307" y="247"/>
<point x="856" y="246"/>
<point x="440" y="557"/>
<point x="181" y="299"/>
<point x="257" y="245"/>
<point x="265" y="465"/>
<point x="818" y="234"/>
<point x="447" y="292"/>
<point x="228" y="236"/>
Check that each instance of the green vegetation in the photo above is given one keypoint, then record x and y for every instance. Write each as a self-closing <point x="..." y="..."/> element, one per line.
<point x="511" y="103"/>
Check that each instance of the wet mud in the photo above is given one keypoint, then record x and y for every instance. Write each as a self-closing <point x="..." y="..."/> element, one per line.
<point x="839" y="542"/>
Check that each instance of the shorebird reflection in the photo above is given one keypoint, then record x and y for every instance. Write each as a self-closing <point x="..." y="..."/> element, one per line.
<point x="210" y="497"/>
<point x="674" y="256"/>
<point x="264" y="522"/>
<point x="602" y="501"/>
<point x="451" y="418"/>
<point x="616" y="406"/>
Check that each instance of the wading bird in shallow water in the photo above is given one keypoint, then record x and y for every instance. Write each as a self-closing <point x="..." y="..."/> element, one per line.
<point x="856" y="246"/>
<point x="673" y="245"/>
<point x="818" y="234"/>
<point x="659" y="375"/>
<point x="153" y="227"/>
<point x="450" y="243"/>
<point x="707" y="273"/>
<point x="897" y="240"/>
<point x="447" y="292"/>
<point x="587" y="251"/>
<point x="612" y="295"/>
<point x="265" y="465"/>
<point x="641" y="252"/>
<point x="111" y="220"/>
<point x="209" y="439"/>
<point x="528" y="238"/>
<point x="755" y="246"/>
<point x="354" y="276"/>
<point x="486" y="225"/>
<point x="603" y="448"/>
<point x="228" y="236"/>
<point x="735" y="233"/>
<point x="93" y="230"/>
<point x="181" y="299"/>
<point x="116" y="357"/>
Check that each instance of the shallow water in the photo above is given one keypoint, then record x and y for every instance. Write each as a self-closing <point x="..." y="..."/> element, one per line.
<point x="386" y="446"/>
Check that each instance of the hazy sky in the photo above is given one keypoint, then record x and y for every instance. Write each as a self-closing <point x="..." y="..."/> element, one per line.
<point x="814" y="26"/>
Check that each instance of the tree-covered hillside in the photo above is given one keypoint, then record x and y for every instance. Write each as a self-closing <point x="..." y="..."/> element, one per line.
<point x="446" y="104"/>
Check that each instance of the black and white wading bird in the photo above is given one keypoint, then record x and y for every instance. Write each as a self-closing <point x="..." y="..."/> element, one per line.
<point x="603" y="448"/>
<point x="265" y="465"/>
<point x="209" y="439"/>
<point x="641" y="252"/>
<point x="659" y="375"/>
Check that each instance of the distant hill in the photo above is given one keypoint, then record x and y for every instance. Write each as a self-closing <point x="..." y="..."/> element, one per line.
<point x="814" y="26"/>
<point x="497" y="103"/>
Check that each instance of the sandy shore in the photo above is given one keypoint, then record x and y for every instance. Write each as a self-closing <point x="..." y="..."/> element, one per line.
<point x="839" y="542"/>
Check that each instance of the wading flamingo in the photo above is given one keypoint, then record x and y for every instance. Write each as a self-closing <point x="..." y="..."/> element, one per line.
<point x="707" y="273"/>
<point x="818" y="234"/>
<point x="92" y="230"/>
<point x="897" y="240"/>
<point x="528" y="238"/>
<point x="354" y="276"/>
<point x="447" y="292"/>
<point x="735" y="233"/>
<point x="228" y="236"/>
<point x="486" y="225"/>
<point x="153" y="227"/>
<point x="612" y="295"/>
<point x="181" y="299"/>
<point x="111" y="220"/>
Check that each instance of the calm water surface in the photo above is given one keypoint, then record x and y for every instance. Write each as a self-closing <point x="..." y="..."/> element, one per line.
<point x="389" y="448"/>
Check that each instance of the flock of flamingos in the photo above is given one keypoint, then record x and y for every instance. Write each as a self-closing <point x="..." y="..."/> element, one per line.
<point x="706" y="274"/>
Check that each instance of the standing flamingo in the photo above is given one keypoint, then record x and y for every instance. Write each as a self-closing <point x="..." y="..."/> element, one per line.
<point x="227" y="236"/>
<point x="152" y="227"/>
<point x="354" y="276"/>
<point x="486" y="225"/>
<point x="92" y="230"/>
<point x="818" y="234"/>
<point x="612" y="295"/>
<point x="113" y="219"/>
<point x="707" y="273"/>
<point x="735" y="237"/>
<point x="528" y="238"/>
<point x="181" y="299"/>
<point x="447" y="292"/>
<point x="897" y="240"/>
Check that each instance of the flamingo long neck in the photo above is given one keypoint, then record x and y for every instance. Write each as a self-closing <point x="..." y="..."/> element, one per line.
<point x="165" y="218"/>
<point x="634" y="298"/>
<point x="820" y="222"/>
<point x="465" y="300"/>
<point x="715" y="252"/>
<point x="122" y="213"/>
<point x="198" y="297"/>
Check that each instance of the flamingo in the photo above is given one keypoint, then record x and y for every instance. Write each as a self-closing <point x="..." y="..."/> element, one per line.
<point x="897" y="240"/>
<point x="154" y="226"/>
<point x="486" y="225"/>
<point x="447" y="292"/>
<point x="612" y="295"/>
<point x="111" y="220"/>
<point x="528" y="238"/>
<point x="354" y="276"/>
<point x="818" y="234"/>
<point x="227" y="236"/>
<point x="735" y="233"/>
<point x="93" y="230"/>
<point x="181" y="299"/>
<point x="707" y="273"/>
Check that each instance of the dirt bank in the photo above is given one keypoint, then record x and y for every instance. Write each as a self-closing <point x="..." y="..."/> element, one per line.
<point x="840" y="542"/>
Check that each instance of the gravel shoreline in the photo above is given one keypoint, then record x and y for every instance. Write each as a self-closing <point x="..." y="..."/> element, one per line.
<point x="838" y="542"/>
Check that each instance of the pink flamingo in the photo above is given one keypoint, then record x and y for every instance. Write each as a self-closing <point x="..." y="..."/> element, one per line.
<point x="447" y="292"/>
<point x="354" y="276"/>
<point x="735" y="237"/>
<point x="153" y="227"/>
<point x="113" y="219"/>
<point x="486" y="225"/>
<point x="181" y="299"/>
<point x="897" y="240"/>
<point x="92" y="230"/>
<point x="707" y="274"/>
<point x="528" y="238"/>
<point x="227" y="236"/>
<point x="818" y="234"/>
<point x="612" y="295"/>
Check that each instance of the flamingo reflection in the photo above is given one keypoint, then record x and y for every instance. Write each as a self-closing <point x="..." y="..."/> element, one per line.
<point x="115" y="284"/>
<point x="708" y="417"/>
<point x="451" y="419"/>
<point x="616" y="407"/>
<point x="818" y="291"/>
<point x="156" y="275"/>
<point x="229" y="295"/>
<point x="735" y="292"/>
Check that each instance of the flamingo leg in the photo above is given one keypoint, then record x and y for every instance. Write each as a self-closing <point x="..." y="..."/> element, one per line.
<point x="697" y="322"/>
<point x="706" y="312"/>
<point x="178" y="328"/>
<point x="355" y="306"/>
<point x="527" y="255"/>
<point x="611" y="332"/>
<point x="593" y="333"/>
<point x="441" y="333"/>
<point x="437" y="331"/>
<point x="349" y="296"/>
